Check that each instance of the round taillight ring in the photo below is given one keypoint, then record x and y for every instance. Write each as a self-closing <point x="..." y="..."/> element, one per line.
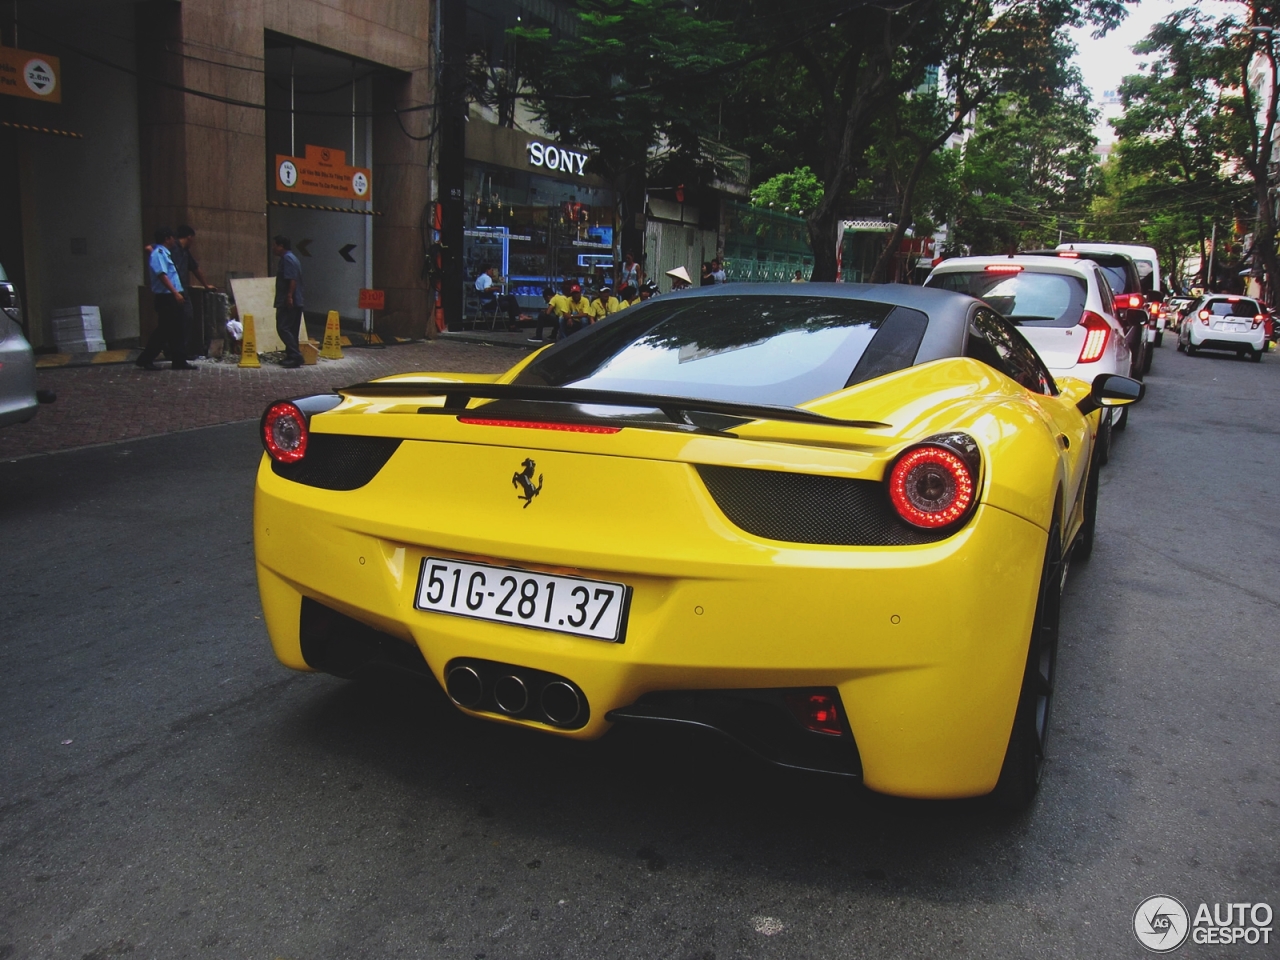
<point x="284" y="432"/>
<point x="932" y="487"/>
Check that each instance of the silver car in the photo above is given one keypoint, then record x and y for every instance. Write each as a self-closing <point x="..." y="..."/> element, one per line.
<point x="18" y="399"/>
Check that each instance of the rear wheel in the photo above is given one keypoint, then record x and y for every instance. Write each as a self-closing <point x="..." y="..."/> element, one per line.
<point x="1121" y="419"/>
<point x="1256" y="356"/>
<point x="1159" y="338"/>
<point x="1191" y="349"/>
<point x="1104" y="438"/>
<point x="1024" y="758"/>
<point x="1148" y="353"/>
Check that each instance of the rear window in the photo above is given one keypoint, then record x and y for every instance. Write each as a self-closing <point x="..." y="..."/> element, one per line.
<point x="748" y="349"/>
<point x="1030" y="299"/>
<point x="1233" y="308"/>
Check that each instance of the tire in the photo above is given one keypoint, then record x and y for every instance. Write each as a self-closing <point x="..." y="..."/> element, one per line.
<point x="1191" y="349"/>
<point x="1148" y="354"/>
<point x="1083" y="548"/>
<point x="1025" y="755"/>
<point x="1256" y="356"/>
<point x="1104" y="439"/>
<point x="1181" y="348"/>
<point x="1121" y="419"/>
<point x="1159" y="338"/>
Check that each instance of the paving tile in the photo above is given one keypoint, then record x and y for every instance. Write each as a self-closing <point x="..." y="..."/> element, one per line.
<point x="101" y="403"/>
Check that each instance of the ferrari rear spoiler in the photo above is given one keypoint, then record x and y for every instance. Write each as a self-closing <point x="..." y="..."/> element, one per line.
<point x="458" y="395"/>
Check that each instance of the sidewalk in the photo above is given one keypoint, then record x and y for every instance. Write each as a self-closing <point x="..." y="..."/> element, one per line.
<point x="106" y="402"/>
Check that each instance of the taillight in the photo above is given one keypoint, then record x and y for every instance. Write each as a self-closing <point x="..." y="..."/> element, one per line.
<point x="818" y="712"/>
<point x="1129" y="301"/>
<point x="1097" y="334"/>
<point x="1257" y="320"/>
<point x="1204" y="317"/>
<point x="284" y="432"/>
<point x="932" y="487"/>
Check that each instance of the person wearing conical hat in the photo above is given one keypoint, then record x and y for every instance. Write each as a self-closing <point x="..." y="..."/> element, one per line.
<point x="680" y="278"/>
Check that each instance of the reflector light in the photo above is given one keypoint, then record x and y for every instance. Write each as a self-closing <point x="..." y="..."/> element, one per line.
<point x="1097" y="334"/>
<point x="1003" y="268"/>
<point x="284" y="432"/>
<point x="539" y="425"/>
<point x="931" y="487"/>
<point x="817" y="712"/>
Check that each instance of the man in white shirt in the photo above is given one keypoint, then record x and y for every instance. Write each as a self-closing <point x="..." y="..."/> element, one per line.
<point x="487" y="287"/>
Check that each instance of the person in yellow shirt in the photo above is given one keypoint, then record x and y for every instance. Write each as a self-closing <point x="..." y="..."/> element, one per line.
<point x="577" y="312"/>
<point x="551" y="315"/>
<point x="604" y="304"/>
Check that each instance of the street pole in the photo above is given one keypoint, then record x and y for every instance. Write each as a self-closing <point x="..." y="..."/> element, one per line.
<point x="451" y="170"/>
<point x="1213" y="248"/>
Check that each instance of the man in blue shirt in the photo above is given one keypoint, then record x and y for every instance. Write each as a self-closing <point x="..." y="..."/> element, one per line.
<point x="166" y="287"/>
<point x="289" y="301"/>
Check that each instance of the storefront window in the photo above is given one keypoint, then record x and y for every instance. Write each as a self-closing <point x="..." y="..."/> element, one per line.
<point x="535" y="230"/>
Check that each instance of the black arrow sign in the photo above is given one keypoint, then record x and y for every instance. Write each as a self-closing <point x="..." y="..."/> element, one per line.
<point x="346" y="253"/>
<point x="303" y="246"/>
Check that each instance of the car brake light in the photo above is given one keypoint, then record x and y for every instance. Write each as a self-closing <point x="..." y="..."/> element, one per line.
<point x="1233" y="299"/>
<point x="1204" y="317"/>
<point x="1257" y="320"/>
<point x="284" y="432"/>
<point x="1097" y="334"/>
<point x="540" y="425"/>
<point x="931" y="487"/>
<point x="817" y="712"/>
<point x="1129" y="301"/>
<point x="1002" y="268"/>
<point x="1069" y="253"/>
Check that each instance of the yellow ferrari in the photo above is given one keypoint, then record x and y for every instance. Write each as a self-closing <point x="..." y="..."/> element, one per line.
<point x="832" y="525"/>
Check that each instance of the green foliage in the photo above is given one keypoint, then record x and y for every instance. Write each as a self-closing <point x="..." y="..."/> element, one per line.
<point x="792" y="192"/>
<point x="639" y="75"/>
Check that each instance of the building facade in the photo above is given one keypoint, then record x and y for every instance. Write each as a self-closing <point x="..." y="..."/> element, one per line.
<point x="242" y="118"/>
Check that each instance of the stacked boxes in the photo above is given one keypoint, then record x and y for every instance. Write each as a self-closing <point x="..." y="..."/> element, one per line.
<point x="78" y="329"/>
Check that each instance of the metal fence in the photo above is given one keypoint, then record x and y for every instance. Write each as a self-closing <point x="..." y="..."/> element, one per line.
<point x="764" y="246"/>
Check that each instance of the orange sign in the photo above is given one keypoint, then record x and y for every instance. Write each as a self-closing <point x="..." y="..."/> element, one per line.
<point x="373" y="300"/>
<point x="324" y="173"/>
<point x="36" y="76"/>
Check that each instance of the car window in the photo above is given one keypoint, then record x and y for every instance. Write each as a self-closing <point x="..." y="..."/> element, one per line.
<point x="755" y="349"/>
<point x="1033" y="299"/>
<point x="1146" y="275"/>
<point x="1117" y="278"/>
<point x="1105" y="290"/>
<point x="998" y="344"/>
<point x="1234" y="308"/>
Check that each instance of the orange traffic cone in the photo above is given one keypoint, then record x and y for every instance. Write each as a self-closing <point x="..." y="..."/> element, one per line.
<point x="249" y="345"/>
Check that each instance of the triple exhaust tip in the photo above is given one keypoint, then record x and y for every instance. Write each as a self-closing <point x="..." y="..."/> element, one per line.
<point x="560" y="702"/>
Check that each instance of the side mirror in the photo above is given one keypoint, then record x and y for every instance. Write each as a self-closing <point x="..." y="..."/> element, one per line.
<point x="1111" y="390"/>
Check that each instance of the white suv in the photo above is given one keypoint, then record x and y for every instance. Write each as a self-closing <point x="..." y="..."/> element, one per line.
<point x="1219" y="321"/>
<point x="1064" y="308"/>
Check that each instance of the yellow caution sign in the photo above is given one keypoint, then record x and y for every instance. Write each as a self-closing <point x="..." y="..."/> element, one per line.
<point x="249" y="345"/>
<point x="332" y="347"/>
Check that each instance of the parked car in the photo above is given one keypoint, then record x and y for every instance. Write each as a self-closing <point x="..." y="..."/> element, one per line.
<point x="1148" y="263"/>
<point x="1219" y="321"/>
<point x="1125" y="281"/>
<point x="1062" y="305"/>
<point x="1175" y="307"/>
<point x="18" y="399"/>
<point x="830" y="524"/>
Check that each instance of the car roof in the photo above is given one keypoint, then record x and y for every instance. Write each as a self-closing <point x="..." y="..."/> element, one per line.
<point x="1131" y="249"/>
<point x="1030" y="263"/>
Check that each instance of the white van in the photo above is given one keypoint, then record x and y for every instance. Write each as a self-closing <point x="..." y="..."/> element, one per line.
<point x="1148" y="263"/>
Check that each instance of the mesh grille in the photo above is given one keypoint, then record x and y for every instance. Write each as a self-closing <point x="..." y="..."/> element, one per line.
<point x="804" y="508"/>
<point x="338" y="462"/>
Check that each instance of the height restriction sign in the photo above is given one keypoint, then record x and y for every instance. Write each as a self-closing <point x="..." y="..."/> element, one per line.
<point x="323" y="172"/>
<point x="36" y="76"/>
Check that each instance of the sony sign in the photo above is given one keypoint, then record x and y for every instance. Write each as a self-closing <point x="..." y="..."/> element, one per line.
<point x="557" y="158"/>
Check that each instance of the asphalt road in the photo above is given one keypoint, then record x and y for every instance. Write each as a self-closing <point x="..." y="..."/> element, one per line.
<point x="168" y="790"/>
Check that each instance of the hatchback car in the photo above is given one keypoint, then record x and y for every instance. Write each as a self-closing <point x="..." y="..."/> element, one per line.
<point x="1063" y="306"/>
<point x="1224" y="322"/>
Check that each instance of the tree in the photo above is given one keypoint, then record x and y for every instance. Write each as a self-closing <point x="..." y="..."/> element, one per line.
<point x="792" y="192"/>
<point x="857" y="62"/>
<point x="1196" y="138"/>
<point x="621" y="85"/>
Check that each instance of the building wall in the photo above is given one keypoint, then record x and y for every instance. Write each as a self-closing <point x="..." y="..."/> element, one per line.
<point x="80" y="197"/>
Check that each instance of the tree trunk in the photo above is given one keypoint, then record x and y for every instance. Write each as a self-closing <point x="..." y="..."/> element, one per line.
<point x="822" y="239"/>
<point x="1264" y="240"/>
<point x="880" y="273"/>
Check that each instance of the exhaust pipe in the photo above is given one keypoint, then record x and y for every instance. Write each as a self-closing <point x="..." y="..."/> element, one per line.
<point x="511" y="695"/>
<point x="464" y="686"/>
<point x="561" y="703"/>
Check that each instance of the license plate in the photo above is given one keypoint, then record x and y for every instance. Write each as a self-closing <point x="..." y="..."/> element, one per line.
<point x="573" y="605"/>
